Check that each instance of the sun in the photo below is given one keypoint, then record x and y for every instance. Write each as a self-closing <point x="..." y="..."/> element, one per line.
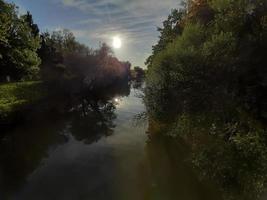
<point x="117" y="42"/>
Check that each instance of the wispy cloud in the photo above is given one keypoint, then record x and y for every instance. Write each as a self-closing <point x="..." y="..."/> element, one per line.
<point x="94" y="21"/>
<point x="134" y="20"/>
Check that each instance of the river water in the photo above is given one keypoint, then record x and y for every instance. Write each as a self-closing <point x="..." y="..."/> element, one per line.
<point x="86" y="157"/>
<point x="97" y="153"/>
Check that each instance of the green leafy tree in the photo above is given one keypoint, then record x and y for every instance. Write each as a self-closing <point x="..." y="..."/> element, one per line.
<point x="18" y="46"/>
<point x="201" y="65"/>
<point x="29" y="20"/>
<point x="172" y="27"/>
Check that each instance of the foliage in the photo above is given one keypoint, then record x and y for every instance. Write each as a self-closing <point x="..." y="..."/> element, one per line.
<point x="225" y="58"/>
<point x="65" y="59"/>
<point x="138" y="74"/>
<point x="18" y="44"/>
<point x="171" y="28"/>
<point x="208" y="86"/>
<point x="233" y="154"/>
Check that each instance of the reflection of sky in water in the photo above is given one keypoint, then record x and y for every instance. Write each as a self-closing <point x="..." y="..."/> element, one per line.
<point x="76" y="170"/>
<point x="81" y="160"/>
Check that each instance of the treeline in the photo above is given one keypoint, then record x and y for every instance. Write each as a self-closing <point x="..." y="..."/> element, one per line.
<point x="207" y="85"/>
<point x="137" y="73"/>
<point x="209" y="51"/>
<point x="27" y="54"/>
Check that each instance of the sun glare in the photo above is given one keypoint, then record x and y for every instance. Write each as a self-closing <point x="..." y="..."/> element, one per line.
<point x="116" y="100"/>
<point x="116" y="42"/>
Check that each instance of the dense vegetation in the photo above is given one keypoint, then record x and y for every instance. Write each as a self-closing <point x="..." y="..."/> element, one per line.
<point x="206" y="83"/>
<point x="214" y="50"/>
<point x="18" y="44"/>
<point x="63" y="58"/>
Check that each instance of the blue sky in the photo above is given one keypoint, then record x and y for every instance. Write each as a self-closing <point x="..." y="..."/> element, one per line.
<point x="94" y="21"/>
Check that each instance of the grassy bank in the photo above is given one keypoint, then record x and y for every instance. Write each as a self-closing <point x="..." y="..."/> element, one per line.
<point x="15" y="97"/>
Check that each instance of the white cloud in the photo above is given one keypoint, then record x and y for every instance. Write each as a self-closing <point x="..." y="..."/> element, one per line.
<point x="134" y="20"/>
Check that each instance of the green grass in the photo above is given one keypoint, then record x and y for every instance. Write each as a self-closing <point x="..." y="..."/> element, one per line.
<point x="14" y="96"/>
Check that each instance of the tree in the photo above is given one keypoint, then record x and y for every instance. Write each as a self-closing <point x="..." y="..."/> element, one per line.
<point x="138" y="73"/>
<point x="172" y="27"/>
<point x="34" y="27"/>
<point x="57" y="49"/>
<point x="224" y="59"/>
<point x="65" y="59"/>
<point x="18" y="46"/>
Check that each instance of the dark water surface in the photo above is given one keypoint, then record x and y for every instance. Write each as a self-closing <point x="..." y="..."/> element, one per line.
<point x="97" y="152"/>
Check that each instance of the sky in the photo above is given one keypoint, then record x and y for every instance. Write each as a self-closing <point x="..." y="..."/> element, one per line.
<point x="96" y="21"/>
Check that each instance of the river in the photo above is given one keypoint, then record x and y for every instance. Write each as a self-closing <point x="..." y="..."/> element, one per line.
<point x="102" y="153"/>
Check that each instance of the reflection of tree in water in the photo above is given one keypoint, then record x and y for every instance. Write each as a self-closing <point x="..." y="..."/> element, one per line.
<point x="93" y="117"/>
<point x="166" y="175"/>
<point x="22" y="151"/>
<point x="233" y="154"/>
<point x="93" y="120"/>
<point x="137" y="84"/>
<point x="227" y="146"/>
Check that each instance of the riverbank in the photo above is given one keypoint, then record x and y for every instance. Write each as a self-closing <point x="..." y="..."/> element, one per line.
<point x="15" y="97"/>
<point x="24" y="101"/>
